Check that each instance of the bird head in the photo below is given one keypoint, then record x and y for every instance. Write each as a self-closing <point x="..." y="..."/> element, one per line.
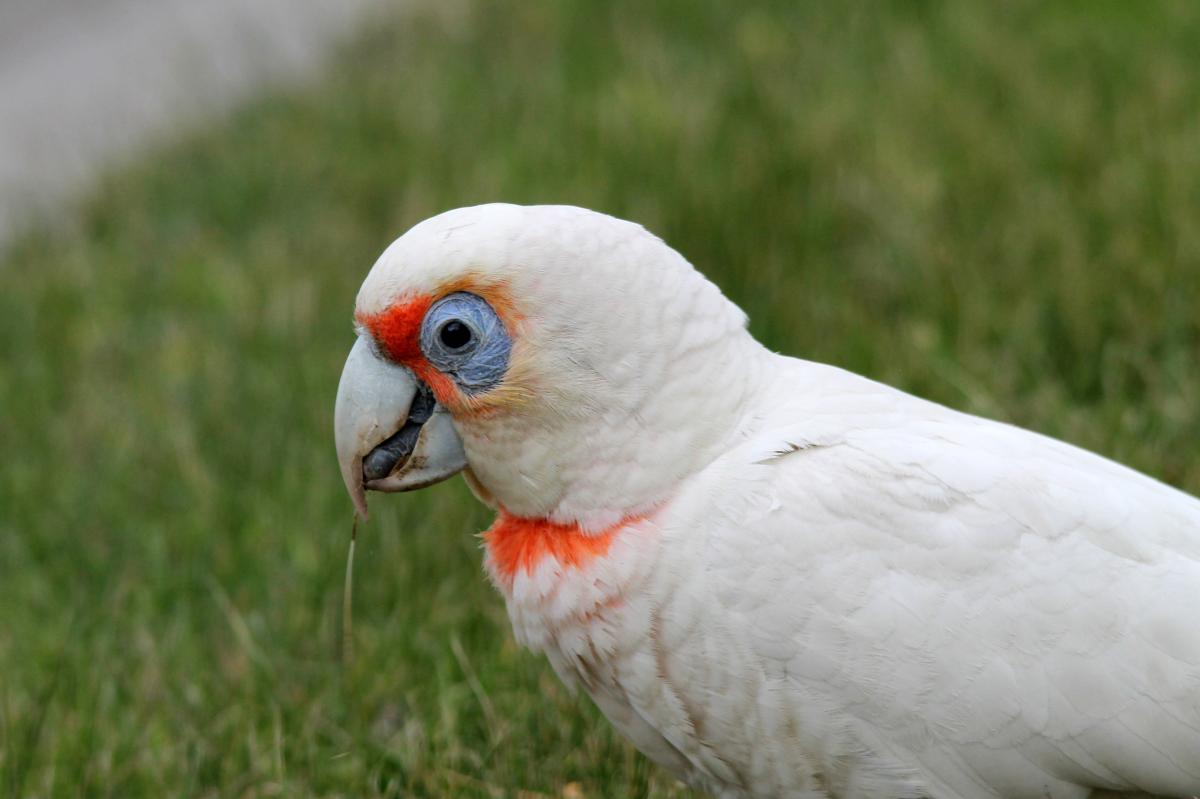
<point x="572" y="365"/>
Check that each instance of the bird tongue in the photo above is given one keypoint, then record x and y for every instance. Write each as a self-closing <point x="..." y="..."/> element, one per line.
<point x="394" y="452"/>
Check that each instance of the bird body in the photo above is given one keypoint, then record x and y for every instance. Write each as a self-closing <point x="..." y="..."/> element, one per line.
<point x="780" y="579"/>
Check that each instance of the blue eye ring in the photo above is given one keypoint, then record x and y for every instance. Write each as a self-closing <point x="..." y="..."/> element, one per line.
<point x="463" y="337"/>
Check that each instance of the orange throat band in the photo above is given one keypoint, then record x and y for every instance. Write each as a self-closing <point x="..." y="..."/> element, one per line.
<point x="517" y="544"/>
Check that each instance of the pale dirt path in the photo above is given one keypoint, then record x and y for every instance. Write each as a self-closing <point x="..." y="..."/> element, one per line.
<point x="86" y="83"/>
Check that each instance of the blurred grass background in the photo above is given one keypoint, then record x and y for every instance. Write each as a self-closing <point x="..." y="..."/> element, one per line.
<point x="993" y="205"/>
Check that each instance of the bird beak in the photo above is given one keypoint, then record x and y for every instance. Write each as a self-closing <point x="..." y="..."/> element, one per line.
<point x="391" y="434"/>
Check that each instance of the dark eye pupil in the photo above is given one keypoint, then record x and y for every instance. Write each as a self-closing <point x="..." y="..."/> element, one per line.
<point x="455" y="335"/>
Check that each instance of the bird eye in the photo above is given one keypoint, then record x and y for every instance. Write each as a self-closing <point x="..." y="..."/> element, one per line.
<point x="463" y="337"/>
<point x="454" y="335"/>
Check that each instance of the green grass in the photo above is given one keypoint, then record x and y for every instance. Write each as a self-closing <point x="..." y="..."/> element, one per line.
<point x="994" y="205"/>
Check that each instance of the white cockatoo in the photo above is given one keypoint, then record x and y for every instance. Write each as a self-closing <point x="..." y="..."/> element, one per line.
<point x="774" y="577"/>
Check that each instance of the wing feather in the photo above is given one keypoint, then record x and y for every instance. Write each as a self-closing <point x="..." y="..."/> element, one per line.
<point x="1005" y="613"/>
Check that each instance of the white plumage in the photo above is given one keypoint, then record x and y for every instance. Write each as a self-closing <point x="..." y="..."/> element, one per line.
<point x="812" y="584"/>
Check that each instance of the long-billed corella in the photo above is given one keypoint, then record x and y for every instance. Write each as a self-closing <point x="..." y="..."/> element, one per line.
<point x="775" y="577"/>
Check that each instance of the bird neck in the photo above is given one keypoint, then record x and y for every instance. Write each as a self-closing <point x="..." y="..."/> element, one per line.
<point x="576" y="461"/>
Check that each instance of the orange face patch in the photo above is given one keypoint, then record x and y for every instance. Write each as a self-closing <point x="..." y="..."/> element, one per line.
<point x="517" y="544"/>
<point x="397" y="330"/>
